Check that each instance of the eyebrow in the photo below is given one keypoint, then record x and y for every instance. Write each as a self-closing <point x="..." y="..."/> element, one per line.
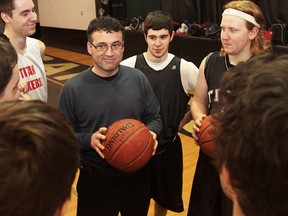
<point x="27" y="10"/>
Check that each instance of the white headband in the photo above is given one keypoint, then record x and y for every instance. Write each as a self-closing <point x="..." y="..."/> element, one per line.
<point x="242" y="15"/>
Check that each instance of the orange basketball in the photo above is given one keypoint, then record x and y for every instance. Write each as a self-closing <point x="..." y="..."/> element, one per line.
<point x="206" y="136"/>
<point x="128" y="145"/>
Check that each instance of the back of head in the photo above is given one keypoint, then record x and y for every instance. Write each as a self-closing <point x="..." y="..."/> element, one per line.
<point x="8" y="60"/>
<point x="252" y="141"/>
<point x="39" y="158"/>
<point x="259" y="43"/>
<point x="105" y="23"/>
<point x="157" y="20"/>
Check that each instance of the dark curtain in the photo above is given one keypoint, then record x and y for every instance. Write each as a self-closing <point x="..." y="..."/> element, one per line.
<point x="180" y="10"/>
<point x="275" y="11"/>
<point x="194" y="10"/>
<point x="201" y="11"/>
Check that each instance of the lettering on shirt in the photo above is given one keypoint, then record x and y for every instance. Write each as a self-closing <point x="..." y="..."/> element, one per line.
<point x="213" y="95"/>
<point x="29" y="71"/>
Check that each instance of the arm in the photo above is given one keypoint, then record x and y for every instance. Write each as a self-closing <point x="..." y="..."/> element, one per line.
<point x="199" y="102"/>
<point x="42" y="48"/>
<point x="189" y="74"/>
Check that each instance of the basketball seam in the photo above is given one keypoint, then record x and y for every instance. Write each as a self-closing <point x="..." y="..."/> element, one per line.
<point x="123" y="142"/>
<point x="146" y="146"/>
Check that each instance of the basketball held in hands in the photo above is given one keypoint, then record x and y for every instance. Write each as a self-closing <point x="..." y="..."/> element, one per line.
<point x="128" y="145"/>
<point x="207" y="135"/>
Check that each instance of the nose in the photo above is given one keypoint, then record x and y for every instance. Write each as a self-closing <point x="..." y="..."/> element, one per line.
<point x="224" y="34"/>
<point x="109" y="51"/>
<point x="158" y="41"/>
<point x="34" y="16"/>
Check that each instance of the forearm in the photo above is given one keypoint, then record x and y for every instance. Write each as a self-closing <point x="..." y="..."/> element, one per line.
<point x="198" y="109"/>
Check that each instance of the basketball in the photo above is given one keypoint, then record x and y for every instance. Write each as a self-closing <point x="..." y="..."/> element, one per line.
<point x="206" y="136"/>
<point x="128" y="145"/>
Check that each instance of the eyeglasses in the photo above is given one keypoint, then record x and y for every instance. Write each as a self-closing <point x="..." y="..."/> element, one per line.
<point x="103" y="47"/>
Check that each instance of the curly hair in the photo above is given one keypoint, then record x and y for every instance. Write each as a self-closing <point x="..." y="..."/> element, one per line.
<point x="105" y="23"/>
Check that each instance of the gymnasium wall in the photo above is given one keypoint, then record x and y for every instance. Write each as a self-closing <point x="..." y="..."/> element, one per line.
<point x="66" y="14"/>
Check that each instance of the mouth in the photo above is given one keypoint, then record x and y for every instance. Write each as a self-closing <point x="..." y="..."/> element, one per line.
<point x="33" y="25"/>
<point x="108" y="60"/>
<point x="158" y="50"/>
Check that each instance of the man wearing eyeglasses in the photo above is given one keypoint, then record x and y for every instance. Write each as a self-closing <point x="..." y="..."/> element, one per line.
<point x="94" y="99"/>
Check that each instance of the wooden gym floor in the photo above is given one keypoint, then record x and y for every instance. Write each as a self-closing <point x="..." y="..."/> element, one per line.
<point x="190" y="150"/>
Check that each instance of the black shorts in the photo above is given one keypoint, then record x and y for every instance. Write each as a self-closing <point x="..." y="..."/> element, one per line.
<point x="107" y="196"/>
<point x="167" y="177"/>
<point x="207" y="197"/>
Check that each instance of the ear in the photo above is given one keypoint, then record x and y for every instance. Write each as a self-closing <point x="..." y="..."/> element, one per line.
<point x="226" y="183"/>
<point x="145" y="37"/>
<point x="172" y="35"/>
<point x="62" y="209"/>
<point x="253" y="33"/>
<point x="89" y="48"/>
<point x="5" y="17"/>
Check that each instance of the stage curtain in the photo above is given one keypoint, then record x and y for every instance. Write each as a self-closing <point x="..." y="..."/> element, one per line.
<point x="201" y="11"/>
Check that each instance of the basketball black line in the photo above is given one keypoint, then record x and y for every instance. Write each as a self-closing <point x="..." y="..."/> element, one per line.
<point x="127" y="137"/>
<point x="203" y="130"/>
<point x="141" y="153"/>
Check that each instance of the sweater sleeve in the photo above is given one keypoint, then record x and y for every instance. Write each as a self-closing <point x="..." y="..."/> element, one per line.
<point x="66" y="106"/>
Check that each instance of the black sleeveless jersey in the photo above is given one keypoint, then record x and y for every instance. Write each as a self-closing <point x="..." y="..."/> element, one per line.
<point x="215" y="67"/>
<point x="172" y="98"/>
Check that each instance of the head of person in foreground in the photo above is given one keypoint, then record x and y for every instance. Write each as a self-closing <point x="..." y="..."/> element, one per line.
<point x="39" y="158"/>
<point x="252" y="151"/>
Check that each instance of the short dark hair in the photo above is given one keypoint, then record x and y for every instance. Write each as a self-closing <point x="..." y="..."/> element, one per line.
<point x="39" y="158"/>
<point x="253" y="134"/>
<point x="6" y="6"/>
<point x="8" y="60"/>
<point x="105" y="23"/>
<point x="157" y="20"/>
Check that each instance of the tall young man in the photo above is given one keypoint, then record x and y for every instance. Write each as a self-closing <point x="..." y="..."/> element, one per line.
<point x="241" y="39"/>
<point x="19" y="19"/>
<point x="171" y="77"/>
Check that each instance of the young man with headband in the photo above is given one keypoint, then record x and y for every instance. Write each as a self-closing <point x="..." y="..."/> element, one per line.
<point x="241" y="39"/>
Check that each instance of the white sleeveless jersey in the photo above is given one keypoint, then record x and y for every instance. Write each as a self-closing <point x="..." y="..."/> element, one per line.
<point x="32" y="71"/>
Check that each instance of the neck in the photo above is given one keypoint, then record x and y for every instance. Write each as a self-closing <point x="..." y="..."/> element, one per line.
<point x="237" y="211"/>
<point x="242" y="57"/>
<point x="19" y="43"/>
<point x="153" y="58"/>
